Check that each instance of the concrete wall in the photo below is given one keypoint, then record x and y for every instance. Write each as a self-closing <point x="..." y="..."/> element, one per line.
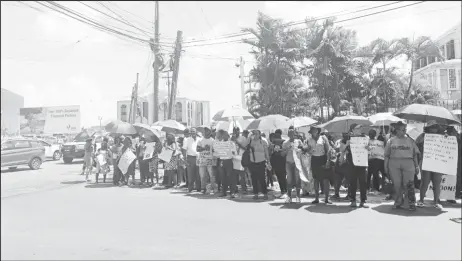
<point x="10" y="105"/>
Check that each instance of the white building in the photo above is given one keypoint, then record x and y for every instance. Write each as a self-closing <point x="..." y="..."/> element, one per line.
<point x="10" y="103"/>
<point x="189" y="112"/>
<point x="444" y="76"/>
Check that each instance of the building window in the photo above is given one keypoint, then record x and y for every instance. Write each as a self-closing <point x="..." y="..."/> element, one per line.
<point x="431" y="59"/>
<point x="179" y="112"/>
<point x="444" y="80"/>
<point x="123" y="112"/>
<point x="450" y="51"/>
<point x="145" y="110"/>
<point x="452" y="79"/>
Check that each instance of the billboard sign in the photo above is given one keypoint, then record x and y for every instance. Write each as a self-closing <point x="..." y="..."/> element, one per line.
<point x="50" y="120"/>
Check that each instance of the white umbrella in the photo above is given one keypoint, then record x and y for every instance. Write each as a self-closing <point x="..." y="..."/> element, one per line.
<point x="231" y="114"/>
<point x="269" y="122"/>
<point x="229" y="125"/>
<point x="342" y="124"/>
<point x="299" y="122"/>
<point x="383" y="119"/>
<point x="170" y="126"/>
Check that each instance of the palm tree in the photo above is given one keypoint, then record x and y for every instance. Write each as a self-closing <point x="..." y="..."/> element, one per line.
<point x="414" y="50"/>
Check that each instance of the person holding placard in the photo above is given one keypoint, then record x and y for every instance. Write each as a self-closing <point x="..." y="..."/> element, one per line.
<point x="358" y="173"/>
<point x="451" y="131"/>
<point x="401" y="164"/>
<point x="225" y="150"/>
<point x="131" y="168"/>
<point x="432" y="127"/>
<point x="241" y="146"/>
<point x="205" y="161"/>
<point x="289" y="149"/>
<point x="171" y="167"/>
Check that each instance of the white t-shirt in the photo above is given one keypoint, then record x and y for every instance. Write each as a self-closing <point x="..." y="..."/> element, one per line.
<point x="190" y="145"/>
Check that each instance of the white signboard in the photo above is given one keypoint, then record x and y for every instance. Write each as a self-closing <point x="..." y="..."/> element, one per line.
<point x="359" y="152"/>
<point x="376" y="149"/>
<point x="166" y="155"/>
<point x="50" y="120"/>
<point x="440" y="154"/>
<point x="127" y="158"/>
<point x="448" y="188"/>
<point x="149" y="152"/>
<point x="223" y="149"/>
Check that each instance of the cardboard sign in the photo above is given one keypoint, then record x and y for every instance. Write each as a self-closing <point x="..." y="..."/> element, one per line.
<point x="223" y="149"/>
<point x="448" y="188"/>
<point x="376" y="149"/>
<point x="359" y="151"/>
<point x="166" y="155"/>
<point x="440" y="154"/>
<point x="125" y="160"/>
<point x="149" y="152"/>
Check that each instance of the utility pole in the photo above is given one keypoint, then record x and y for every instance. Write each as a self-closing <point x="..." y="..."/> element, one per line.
<point x="100" y="118"/>
<point x="168" y="77"/>
<point x="241" y="75"/>
<point x="155" y="49"/>
<point x="133" y="102"/>
<point x="176" y="68"/>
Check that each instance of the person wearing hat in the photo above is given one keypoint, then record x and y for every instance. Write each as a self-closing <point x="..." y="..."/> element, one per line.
<point x="87" y="159"/>
<point x="289" y="150"/>
<point x="205" y="162"/>
<point x="319" y="148"/>
<point x="357" y="173"/>
<point x="190" y="147"/>
<point x="401" y="164"/>
<point x="432" y="127"/>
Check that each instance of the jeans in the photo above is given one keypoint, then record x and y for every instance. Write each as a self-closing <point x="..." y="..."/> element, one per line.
<point x="228" y="177"/>
<point x="242" y="177"/>
<point x="207" y="172"/>
<point x="257" y="171"/>
<point x="375" y="165"/>
<point x="358" y="174"/>
<point x="193" y="174"/>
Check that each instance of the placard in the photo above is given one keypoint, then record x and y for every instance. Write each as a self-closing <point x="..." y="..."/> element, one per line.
<point x="166" y="155"/>
<point x="440" y="154"/>
<point x="448" y="188"/>
<point x="101" y="158"/>
<point x="223" y="149"/>
<point x="125" y="160"/>
<point x="376" y="149"/>
<point x="149" y="151"/>
<point x="359" y="151"/>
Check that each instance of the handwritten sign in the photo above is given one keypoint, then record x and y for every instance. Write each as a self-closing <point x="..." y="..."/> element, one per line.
<point x="166" y="155"/>
<point x="125" y="160"/>
<point x="149" y="152"/>
<point x="376" y="149"/>
<point x="440" y="154"/>
<point x="448" y="188"/>
<point x="359" y="151"/>
<point x="222" y="149"/>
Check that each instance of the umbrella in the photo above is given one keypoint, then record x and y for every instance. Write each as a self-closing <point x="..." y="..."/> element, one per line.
<point x="413" y="132"/>
<point x="457" y="112"/>
<point x="120" y="127"/>
<point x="82" y="136"/>
<point x="342" y="124"/>
<point x="299" y="122"/>
<point x="202" y="127"/>
<point x="232" y="113"/>
<point x="146" y="130"/>
<point x="425" y="113"/>
<point x="229" y="125"/>
<point x="170" y="126"/>
<point x="383" y="119"/>
<point x="269" y="122"/>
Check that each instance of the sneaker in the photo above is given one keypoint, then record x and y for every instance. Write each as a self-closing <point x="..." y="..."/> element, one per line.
<point x="438" y="206"/>
<point x="327" y="202"/>
<point x="298" y="200"/>
<point x="288" y="200"/>
<point x="316" y="201"/>
<point x="353" y="204"/>
<point x="283" y="196"/>
<point x="420" y="204"/>
<point x="363" y="205"/>
<point x="389" y="197"/>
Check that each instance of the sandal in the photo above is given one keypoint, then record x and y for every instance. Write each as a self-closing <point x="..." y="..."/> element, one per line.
<point x="316" y="201"/>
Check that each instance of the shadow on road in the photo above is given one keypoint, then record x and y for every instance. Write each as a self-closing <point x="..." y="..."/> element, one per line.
<point x="294" y="206"/>
<point x="101" y="185"/>
<point x="15" y="170"/>
<point x="446" y="204"/>
<point x="330" y="209"/>
<point x="74" y="182"/>
<point x="420" y="212"/>
<point x="79" y="162"/>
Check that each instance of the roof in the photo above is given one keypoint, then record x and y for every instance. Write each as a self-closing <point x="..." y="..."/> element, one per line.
<point x="454" y="28"/>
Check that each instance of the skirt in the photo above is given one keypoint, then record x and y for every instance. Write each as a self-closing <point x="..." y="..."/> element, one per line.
<point x="317" y="168"/>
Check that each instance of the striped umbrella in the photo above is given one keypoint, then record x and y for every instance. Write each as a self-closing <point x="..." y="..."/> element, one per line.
<point x="120" y="127"/>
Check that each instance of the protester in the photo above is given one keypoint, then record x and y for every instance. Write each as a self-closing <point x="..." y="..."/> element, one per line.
<point x="102" y="167"/>
<point x="259" y="157"/>
<point x="87" y="159"/>
<point x="376" y="161"/>
<point x="217" y="163"/>
<point x="432" y="127"/>
<point x="451" y="131"/>
<point x="357" y="173"/>
<point x="190" y="146"/>
<point x="278" y="162"/>
<point x="131" y="168"/>
<point x="142" y="163"/>
<point x="318" y="147"/>
<point x="171" y="167"/>
<point x="205" y="162"/>
<point x="228" y="178"/>
<point x="342" y="168"/>
<point x="289" y="150"/>
<point x="116" y="152"/>
<point x="401" y="163"/>
<point x="241" y="146"/>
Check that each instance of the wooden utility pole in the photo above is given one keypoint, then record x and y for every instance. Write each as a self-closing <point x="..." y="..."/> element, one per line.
<point x="168" y="77"/>
<point x="134" y="102"/>
<point x="176" y="68"/>
<point x="155" y="49"/>
<point x="241" y="75"/>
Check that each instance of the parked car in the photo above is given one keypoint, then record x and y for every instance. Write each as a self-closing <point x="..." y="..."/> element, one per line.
<point x="52" y="150"/>
<point x="20" y="152"/>
<point x="76" y="150"/>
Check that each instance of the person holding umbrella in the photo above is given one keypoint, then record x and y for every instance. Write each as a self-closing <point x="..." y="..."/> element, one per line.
<point x="401" y="164"/>
<point x="432" y="127"/>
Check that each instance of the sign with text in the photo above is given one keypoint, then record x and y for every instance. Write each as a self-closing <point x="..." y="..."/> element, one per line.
<point x="166" y="155"/>
<point x="149" y="152"/>
<point x="359" y="151"/>
<point x="223" y="149"/>
<point x="376" y="149"/>
<point x="448" y="188"/>
<point x="440" y="154"/>
<point x="50" y="120"/>
<point x="125" y="160"/>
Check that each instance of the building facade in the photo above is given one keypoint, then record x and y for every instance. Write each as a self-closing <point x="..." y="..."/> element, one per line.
<point x="445" y="76"/>
<point x="10" y="106"/>
<point x="189" y="112"/>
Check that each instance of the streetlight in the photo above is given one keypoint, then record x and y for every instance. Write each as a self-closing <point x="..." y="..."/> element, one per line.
<point x="100" y="118"/>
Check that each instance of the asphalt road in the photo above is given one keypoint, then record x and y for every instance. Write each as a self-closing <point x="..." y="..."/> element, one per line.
<point x="52" y="214"/>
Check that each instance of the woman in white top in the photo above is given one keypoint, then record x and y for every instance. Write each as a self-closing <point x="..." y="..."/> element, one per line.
<point x="318" y="147"/>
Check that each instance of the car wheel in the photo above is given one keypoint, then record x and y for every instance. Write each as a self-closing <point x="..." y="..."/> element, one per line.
<point x="67" y="160"/>
<point x="35" y="163"/>
<point x="57" y="155"/>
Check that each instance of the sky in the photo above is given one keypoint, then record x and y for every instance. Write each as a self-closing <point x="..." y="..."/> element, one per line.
<point x="53" y="60"/>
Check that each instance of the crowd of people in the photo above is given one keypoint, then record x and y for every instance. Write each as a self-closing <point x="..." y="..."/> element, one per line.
<point x="311" y="163"/>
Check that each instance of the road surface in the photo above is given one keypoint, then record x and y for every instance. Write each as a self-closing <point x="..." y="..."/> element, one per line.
<point x="52" y="214"/>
